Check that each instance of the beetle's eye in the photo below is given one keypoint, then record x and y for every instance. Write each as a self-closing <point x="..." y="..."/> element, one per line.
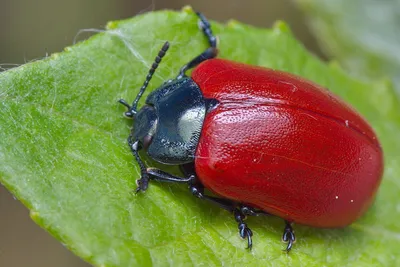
<point x="147" y="141"/>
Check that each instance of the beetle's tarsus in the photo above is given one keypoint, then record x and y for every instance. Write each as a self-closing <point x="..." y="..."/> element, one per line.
<point x="197" y="192"/>
<point x="244" y="231"/>
<point x="142" y="184"/>
<point x="288" y="236"/>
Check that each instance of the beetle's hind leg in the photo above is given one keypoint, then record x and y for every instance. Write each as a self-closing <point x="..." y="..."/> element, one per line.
<point x="244" y="231"/>
<point x="288" y="236"/>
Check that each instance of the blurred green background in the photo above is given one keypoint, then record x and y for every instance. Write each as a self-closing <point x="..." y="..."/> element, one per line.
<point x="362" y="35"/>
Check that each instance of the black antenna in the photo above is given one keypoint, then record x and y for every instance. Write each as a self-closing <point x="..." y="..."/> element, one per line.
<point x="132" y="110"/>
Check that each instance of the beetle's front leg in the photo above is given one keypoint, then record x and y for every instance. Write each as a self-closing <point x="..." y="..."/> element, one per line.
<point x="143" y="182"/>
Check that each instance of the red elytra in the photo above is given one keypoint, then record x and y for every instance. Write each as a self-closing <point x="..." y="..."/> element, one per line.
<point x="285" y="145"/>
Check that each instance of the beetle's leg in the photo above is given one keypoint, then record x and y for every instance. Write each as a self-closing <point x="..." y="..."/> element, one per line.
<point x="209" y="53"/>
<point x="143" y="182"/>
<point x="288" y="236"/>
<point x="231" y="206"/>
<point x="162" y="176"/>
<point x="205" y="26"/>
<point x="197" y="189"/>
<point x="244" y="231"/>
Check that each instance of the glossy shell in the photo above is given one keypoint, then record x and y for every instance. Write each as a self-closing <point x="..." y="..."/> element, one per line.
<point x="285" y="145"/>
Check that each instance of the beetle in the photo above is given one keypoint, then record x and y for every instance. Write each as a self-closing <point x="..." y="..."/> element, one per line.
<point x="261" y="141"/>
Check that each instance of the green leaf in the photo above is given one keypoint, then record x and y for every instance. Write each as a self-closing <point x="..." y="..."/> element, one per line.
<point x="64" y="155"/>
<point x="362" y="34"/>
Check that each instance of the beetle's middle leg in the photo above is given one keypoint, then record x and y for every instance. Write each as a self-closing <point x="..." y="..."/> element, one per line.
<point x="240" y="211"/>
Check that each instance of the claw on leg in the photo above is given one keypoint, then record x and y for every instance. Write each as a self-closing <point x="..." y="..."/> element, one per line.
<point x="244" y="231"/>
<point x="288" y="236"/>
<point x="142" y="184"/>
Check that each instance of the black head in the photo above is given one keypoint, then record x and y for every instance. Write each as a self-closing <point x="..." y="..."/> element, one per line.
<point x="168" y="126"/>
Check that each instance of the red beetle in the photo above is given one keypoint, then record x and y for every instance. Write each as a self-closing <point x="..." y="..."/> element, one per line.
<point x="265" y="142"/>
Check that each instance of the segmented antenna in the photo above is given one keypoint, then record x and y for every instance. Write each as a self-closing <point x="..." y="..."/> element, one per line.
<point x="153" y="68"/>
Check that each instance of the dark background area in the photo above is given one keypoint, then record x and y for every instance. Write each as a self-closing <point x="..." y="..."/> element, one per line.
<point x="29" y="30"/>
